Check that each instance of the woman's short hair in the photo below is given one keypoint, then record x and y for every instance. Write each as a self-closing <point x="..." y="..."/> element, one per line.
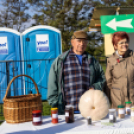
<point x="117" y="36"/>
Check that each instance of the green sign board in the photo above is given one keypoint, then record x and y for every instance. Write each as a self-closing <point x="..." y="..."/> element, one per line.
<point x="114" y="23"/>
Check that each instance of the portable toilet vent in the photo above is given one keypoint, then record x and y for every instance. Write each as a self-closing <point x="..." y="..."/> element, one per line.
<point x="10" y="65"/>
<point x="41" y="45"/>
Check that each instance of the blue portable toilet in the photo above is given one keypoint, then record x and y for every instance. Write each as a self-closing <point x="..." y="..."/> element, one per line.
<point x="10" y="65"/>
<point x="41" y="45"/>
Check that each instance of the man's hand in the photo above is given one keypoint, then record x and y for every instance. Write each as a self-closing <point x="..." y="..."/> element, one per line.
<point x="91" y="88"/>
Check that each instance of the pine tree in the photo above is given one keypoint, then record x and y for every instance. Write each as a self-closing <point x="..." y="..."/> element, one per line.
<point x="66" y="15"/>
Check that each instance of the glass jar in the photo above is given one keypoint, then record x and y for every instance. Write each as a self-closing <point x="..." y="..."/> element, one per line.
<point x="112" y="115"/>
<point x="37" y="118"/>
<point x="54" y="115"/>
<point x="89" y="120"/>
<point x="69" y="114"/>
<point x="121" y="111"/>
<point x="132" y="113"/>
<point x="128" y="107"/>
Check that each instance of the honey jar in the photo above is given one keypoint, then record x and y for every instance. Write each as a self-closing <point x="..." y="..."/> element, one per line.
<point x="121" y="111"/>
<point x="37" y="118"/>
<point x="112" y="115"/>
<point x="128" y="107"/>
<point x="89" y="120"/>
<point x="132" y="114"/>
<point x="69" y="114"/>
<point x="54" y="115"/>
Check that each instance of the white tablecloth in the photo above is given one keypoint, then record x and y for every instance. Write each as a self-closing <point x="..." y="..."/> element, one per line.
<point x="122" y="126"/>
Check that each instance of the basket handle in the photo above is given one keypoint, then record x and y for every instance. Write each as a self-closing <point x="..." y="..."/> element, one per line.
<point x="17" y="77"/>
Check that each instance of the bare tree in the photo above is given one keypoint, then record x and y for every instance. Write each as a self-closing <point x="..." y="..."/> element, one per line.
<point x="13" y="14"/>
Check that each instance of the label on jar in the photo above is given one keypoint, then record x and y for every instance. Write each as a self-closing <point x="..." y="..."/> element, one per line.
<point x="127" y="109"/>
<point x="36" y="119"/>
<point x="121" y="111"/>
<point x="55" y="116"/>
<point x="67" y="114"/>
<point x="111" y="117"/>
<point x="132" y="113"/>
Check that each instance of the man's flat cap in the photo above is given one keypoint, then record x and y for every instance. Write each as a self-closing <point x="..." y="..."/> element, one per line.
<point x="79" y="35"/>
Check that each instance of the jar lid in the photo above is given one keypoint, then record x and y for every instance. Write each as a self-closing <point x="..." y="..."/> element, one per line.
<point x="112" y="110"/>
<point x="121" y="106"/>
<point x="128" y="102"/>
<point x="36" y="111"/>
<point x="54" y="108"/>
<point x="69" y="106"/>
<point x="88" y="117"/>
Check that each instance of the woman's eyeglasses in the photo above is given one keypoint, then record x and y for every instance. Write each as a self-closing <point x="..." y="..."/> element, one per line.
<point x="121" y="43"/>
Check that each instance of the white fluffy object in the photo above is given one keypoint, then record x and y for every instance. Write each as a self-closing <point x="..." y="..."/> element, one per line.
<point x="94" y="103"/>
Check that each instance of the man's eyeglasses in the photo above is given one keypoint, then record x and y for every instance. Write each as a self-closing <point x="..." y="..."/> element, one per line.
<point x="82" y="40"/>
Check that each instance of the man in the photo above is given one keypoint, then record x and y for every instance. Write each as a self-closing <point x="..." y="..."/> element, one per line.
<point x="72" y="73"/>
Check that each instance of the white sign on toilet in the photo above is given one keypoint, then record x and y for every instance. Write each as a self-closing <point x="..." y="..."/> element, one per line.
<point x="3" y="45"/>
<point x="42" y="43"/>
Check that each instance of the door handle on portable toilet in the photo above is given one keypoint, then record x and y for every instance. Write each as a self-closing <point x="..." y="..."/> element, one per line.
<point x="14" y="69"/>
<point x="28" y="39"/>
<point x="29" y="65"/>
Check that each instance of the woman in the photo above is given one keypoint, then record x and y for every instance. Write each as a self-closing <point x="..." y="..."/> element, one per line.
<point x="120" y="71"/>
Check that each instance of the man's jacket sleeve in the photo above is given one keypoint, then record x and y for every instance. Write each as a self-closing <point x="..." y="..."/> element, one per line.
<point x="52" y="94"/>
<point x="99" y="76"/>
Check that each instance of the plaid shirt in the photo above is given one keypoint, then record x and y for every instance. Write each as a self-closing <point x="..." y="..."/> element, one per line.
<point x="76" y="78"/>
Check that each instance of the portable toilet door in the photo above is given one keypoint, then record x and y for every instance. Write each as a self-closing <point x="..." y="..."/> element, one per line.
<point x="10" y="65"/>
<point x="41" y="45"/>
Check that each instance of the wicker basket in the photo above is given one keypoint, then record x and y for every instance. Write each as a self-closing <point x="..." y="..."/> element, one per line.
<point x="19" y="108"/>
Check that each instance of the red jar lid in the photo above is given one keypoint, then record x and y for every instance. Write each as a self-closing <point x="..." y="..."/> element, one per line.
<point x="36" y="111"/>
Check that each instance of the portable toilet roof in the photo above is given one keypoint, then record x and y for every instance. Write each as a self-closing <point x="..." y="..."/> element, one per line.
<point x="95" y="23"/>
<point x="5" y="29"/>
<point x="9" y="30"/>
<point x="39" y="27"/>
